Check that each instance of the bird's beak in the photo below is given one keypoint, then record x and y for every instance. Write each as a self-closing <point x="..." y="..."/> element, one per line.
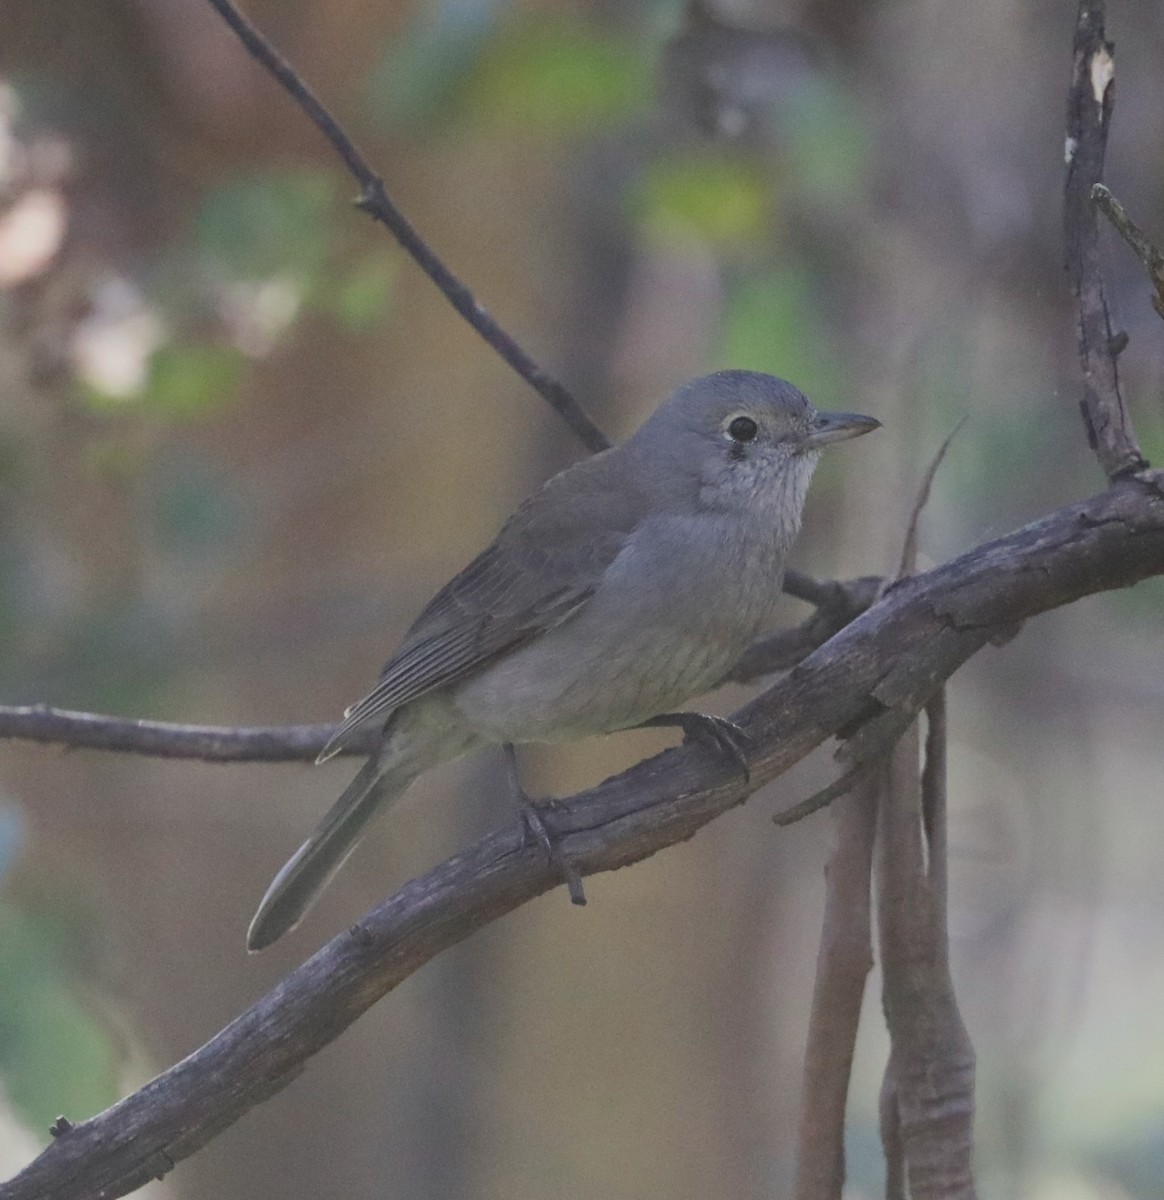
<point x="837" y="427"/>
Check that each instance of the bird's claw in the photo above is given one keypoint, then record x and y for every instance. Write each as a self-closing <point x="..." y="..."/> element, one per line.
<point x="723" y="735"/>
<point x="535" y="832"/>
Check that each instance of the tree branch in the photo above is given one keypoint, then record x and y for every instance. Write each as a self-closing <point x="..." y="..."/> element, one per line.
<point x="166" y="739"/>
<point x="928" y="1094"/>
<point x="375" y="201"/>
<point x="1090" y="100"/>
<point x="1142" y="246"/>
<point x="933" y="621"/>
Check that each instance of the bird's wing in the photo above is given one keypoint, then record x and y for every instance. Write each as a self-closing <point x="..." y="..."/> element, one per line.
<point x="543" y="566"/>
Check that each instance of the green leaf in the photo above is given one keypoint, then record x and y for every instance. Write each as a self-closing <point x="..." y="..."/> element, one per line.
<point x="362" y="297"/>
<point x="262" y="225"/>
<point x="829" y="143"/>
<point x="187" y="382"/>
<point x="722" y="200"/>
<point x="55" y="1056"/>
<point x="421" y="70"/>
<point x="553" y="73"/>
<point x="772" y="324"/>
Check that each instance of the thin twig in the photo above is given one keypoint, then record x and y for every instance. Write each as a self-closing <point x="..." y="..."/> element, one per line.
<point x="374" y="200"/>
<point x="167" y="739"/>
<point x="908" y="562"/>
<point x="1142" y="245"/>
<point x="1090" y="100"/>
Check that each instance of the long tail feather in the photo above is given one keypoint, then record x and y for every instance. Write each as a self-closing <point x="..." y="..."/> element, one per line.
<point x="310" y="869"/>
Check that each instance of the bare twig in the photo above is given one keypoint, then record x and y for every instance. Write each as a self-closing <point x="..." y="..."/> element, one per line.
<point x="938" y="619"/>
<point x="166" y="739"/>
<point x="843" y="963"/>
<point x="1090" y="99"/>
<point x="1143" y="246"/>
<point x="908" y="563"/>
<point x="374" y="200"/>
<point x="822" y="799"/>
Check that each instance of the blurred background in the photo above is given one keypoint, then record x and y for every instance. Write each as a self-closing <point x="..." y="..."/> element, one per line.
<point x="242" y="440"/>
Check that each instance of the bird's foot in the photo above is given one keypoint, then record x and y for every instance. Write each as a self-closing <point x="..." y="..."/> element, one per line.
<point x="530" y="813"/>
<point x="724" y="736"/>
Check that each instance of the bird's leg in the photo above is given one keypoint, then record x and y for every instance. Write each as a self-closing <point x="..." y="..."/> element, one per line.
<point x="535" y="827"/>
<point x="718" y="732"/>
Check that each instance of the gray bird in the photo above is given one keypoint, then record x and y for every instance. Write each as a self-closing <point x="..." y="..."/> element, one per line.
<point x="629" y="583"/>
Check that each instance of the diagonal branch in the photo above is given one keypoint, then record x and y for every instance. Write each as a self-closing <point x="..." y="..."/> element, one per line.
<point x="936" y="620"/>
<point x="1090" y="100"/>
<point x="375" y="201"/>
<point x="1142" y="246"/>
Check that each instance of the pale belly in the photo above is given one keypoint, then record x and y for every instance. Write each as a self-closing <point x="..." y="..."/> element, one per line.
<point x="613" y="665"/>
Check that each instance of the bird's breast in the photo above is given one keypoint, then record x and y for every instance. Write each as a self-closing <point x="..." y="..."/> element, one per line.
<point x="670" y="617"/>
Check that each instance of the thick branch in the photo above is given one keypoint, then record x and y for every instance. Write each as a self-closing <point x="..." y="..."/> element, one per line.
<point x="1089" y="107"/>
<point x="374" y="199"/>
<point x="936" y="620"/>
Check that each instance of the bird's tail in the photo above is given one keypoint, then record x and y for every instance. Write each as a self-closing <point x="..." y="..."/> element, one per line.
<point x="292" y="892"/>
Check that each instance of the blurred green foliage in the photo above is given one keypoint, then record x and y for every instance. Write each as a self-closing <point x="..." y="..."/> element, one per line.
<point x="556" y="73"/>
<point x="721" y="199"/>
<point x="420" y="71"/>
<point x="268" y="223"/>
<point x="187" y="381"/>
<point x="362" y="297"/>
<point x="55" y="1055"/>
<point x="772" y="323"/>
<point x="828" y="142"/>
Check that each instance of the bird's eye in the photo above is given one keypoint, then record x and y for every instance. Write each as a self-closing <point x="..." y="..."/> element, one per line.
<point x="743" y="429"/>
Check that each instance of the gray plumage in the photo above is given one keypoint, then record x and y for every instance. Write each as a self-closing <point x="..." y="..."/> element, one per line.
<point x="629" y="583"/>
